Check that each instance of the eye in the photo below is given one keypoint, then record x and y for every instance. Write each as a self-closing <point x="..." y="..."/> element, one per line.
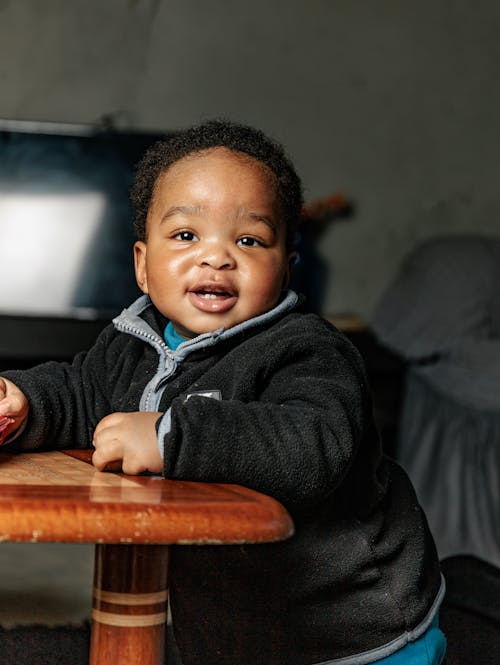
<point x="185" y="236"/>
<point x="248" y="241"/>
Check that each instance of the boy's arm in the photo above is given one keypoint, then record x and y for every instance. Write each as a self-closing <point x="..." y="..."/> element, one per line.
<point x="296" y="443"/>
<point x="66" y="401"/>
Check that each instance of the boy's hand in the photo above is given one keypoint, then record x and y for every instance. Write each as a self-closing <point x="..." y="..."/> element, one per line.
<point x="14" y="408"/>
<point x="129" y="438"/>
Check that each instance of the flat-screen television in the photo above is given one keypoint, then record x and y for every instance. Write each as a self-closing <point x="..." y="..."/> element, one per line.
<point x="66" y="232"/>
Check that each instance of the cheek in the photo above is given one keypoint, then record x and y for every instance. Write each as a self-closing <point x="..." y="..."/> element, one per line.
<point x="269" y="282"/>
<point x="161" y="265"/>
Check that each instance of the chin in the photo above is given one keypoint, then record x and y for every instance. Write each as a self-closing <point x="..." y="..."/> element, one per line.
<point x="212" y="325"/>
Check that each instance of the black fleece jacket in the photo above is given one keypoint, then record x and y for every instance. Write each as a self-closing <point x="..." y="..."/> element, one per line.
<point x="359" y="577"/>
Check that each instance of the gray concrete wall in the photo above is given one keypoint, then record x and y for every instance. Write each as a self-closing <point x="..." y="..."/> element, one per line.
<point x="394" y="103"/>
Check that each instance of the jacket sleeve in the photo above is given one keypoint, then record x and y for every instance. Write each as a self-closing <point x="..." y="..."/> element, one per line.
<point x="66" y="400"/>
<point x="297" y="441"/>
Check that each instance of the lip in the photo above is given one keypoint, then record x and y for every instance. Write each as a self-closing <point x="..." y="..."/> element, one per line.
<point x="213" y="297"/>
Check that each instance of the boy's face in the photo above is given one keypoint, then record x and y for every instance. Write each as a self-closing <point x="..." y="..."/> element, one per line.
<point x="215" y="253"/>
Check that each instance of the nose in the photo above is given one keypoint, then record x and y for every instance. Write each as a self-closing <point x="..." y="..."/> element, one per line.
<point x="217" y="255"/>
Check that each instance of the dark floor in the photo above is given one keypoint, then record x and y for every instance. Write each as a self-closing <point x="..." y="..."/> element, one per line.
<point x="472" y="639"/>
<point x="470" y="615"/>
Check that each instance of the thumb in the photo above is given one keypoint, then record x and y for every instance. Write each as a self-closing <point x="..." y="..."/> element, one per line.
<point x="13" y="402"/>
<point x="4" y="406"/>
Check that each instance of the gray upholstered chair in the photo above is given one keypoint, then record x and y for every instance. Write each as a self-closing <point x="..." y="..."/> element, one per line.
<point x="441" y="313"/>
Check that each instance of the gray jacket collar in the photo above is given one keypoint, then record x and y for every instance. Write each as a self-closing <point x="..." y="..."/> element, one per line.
<point x="131" y="322"/>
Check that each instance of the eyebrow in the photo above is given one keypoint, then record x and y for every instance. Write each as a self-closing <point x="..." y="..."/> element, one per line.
<point x="269" y="221"/>
<point x="183" y="210"/>
<point x="195" y="210"/>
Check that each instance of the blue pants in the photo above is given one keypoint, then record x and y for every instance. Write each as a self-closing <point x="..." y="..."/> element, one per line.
<point x="427" y="650"/>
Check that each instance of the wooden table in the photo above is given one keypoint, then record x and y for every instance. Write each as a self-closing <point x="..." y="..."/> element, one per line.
<point x="59" y="497"/>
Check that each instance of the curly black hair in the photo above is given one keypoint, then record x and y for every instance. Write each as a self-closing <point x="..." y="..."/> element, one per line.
<point x="213" y="134"/>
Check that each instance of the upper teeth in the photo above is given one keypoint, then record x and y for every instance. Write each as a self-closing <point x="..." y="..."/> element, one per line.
<point x="209" y="295"/>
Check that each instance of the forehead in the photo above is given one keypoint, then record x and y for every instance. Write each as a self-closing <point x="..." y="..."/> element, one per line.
<point x="222" y="170"/>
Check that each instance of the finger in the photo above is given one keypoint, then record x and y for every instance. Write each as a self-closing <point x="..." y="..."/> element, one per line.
<point x="108" y="451"/>
<point x="5" y="423"/>
<point x="98" y="461"/>
<point x="103" y="462"/>
<point x="11" y="406"/>
<point x="13" y="403"/>
<point x="132" y="466"/>
<point x="4" y="405"/>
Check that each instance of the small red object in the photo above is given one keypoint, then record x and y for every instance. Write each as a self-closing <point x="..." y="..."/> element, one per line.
<point x="5" y="421"/>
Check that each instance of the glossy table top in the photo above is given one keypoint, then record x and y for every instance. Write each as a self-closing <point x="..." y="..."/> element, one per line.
<point x="60" y="497"/>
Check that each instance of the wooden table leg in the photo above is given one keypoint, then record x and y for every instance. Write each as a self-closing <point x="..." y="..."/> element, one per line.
<point x="129" y="613"/>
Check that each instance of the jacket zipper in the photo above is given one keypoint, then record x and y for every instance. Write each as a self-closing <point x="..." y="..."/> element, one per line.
<point x="151" y="392"/>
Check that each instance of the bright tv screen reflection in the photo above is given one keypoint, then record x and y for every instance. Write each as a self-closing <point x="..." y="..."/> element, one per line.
<point x="66" y="222"/>
<point x="46" y="245"/>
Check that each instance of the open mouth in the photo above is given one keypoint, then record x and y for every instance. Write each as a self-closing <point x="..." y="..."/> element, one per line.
<point x="213" y="298"/>
<point x="211" y="294"/>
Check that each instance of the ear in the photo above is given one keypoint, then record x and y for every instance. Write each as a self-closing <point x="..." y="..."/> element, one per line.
<point x="290" y="262"/>
<point x="141" y="274"/>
